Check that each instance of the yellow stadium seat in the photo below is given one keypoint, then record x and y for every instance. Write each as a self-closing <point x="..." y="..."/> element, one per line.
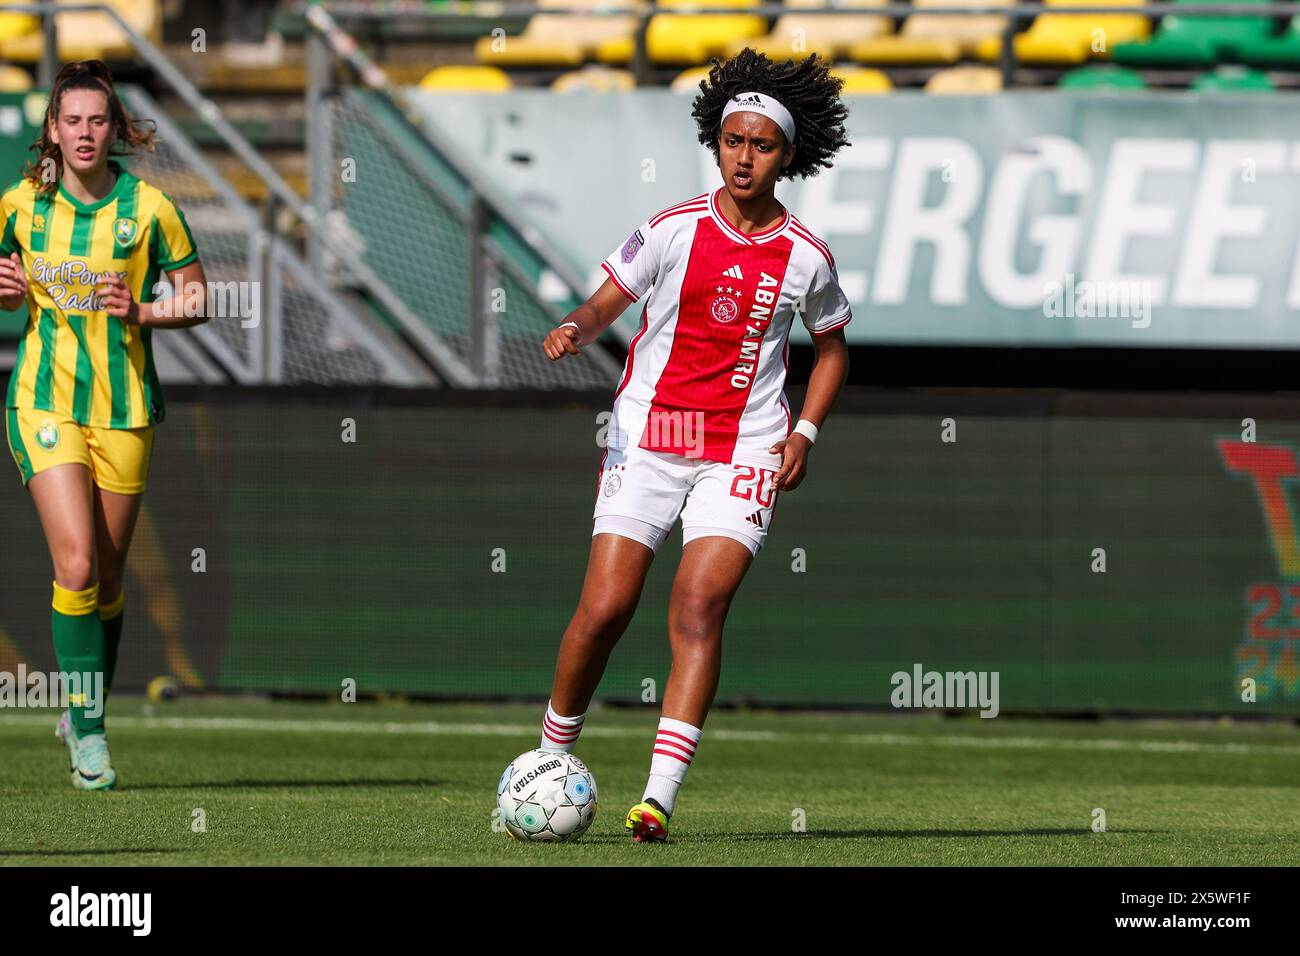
<point x="17" y="24"/>
<point x="1070" y="37"/>
<point x="557" y="40"/>
<point x="859" y="81"/>
<point x="686" y="38"/>
<point x="795" y="36"/>
<point x="688" y="81"/>
<point x="940" y="38"/>
<point x="856" y="80"/>
<point x="616" y="51"/>
<point x="965" y="81"/>
<point x="594" y="79"/>
<point x="14" y="79"/>
<point x="466" y="79"/>
<point x="90" y="35"/>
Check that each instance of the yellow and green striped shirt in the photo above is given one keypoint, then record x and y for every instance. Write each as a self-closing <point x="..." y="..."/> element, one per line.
<point x="75" y="359"/>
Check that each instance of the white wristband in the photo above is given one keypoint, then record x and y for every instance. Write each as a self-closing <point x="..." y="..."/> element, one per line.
<point x="574" y="324"/>
<point x="807" y="429"/>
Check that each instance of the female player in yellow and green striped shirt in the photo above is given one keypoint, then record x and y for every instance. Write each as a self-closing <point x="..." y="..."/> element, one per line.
<point x="84" y="247"/>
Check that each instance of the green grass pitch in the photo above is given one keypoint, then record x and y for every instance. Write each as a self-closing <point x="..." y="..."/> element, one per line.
<point x="370" y="783"/>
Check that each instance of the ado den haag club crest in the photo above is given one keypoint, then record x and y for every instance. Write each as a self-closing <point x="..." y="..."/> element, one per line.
<point x="125" y="231"/>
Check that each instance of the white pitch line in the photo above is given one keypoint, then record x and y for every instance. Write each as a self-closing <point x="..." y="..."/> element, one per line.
<point x="437" y="728"/>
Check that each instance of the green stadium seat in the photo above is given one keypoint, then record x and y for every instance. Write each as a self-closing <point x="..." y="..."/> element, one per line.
<point x="1198" y="41"/>
<point x="1233" y="79"/>
<point x="1102" y="78"/>
<point x="1281" y="50"/>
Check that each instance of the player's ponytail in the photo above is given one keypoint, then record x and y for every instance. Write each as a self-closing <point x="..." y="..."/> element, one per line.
<point x="47" y="169"/>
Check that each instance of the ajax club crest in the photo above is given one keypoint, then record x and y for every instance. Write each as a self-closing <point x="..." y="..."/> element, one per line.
<point x="124" y="231"/>
<point x="725" y="308"/>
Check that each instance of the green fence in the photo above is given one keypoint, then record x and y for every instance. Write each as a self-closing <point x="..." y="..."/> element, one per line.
<point x="20" y="122"/>
<point x="441" y="553"/>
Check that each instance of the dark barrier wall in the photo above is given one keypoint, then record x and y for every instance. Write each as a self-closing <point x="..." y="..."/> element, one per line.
<point x="442" y="551"/>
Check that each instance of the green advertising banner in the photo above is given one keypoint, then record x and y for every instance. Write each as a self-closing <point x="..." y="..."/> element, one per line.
<point x="1035" y="218"/>
<point x="1094" y="562"/>
<point x="20" y="123"/>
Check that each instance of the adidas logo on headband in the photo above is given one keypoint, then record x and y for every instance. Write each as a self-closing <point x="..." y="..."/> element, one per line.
<point x="768" y="106"/>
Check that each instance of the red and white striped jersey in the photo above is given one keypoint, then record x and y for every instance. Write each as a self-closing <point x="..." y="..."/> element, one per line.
<point x="705" y="374"/>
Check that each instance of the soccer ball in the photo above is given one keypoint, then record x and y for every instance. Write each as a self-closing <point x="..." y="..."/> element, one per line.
<point x="547" y="795"/>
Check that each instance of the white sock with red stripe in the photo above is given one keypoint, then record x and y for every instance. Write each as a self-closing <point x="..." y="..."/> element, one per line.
<point x="560" y="733"/>
<point x="673" y="752"/>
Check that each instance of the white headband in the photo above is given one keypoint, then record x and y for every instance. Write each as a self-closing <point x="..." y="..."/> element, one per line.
<point x="764" y="104"/>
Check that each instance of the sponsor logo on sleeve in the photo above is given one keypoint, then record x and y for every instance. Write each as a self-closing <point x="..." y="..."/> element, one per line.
<point x="632" y="246"/>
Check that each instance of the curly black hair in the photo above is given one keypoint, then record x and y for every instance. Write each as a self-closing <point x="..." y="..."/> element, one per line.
<point x="805" y="87"/>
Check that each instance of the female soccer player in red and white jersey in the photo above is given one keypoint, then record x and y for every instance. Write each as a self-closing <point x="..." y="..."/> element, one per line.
<point x="700" y="424"/>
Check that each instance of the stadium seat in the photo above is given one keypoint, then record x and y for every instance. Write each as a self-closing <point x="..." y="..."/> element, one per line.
<point x="17" y="25"/>
<point x="864" y="81"/>
<point x="856" y="80"/>
<point x="14" y="79"/>
<point x="594" y="79"/>
<point x="1197" y="41"/>
<point x="965" y="81"/>
<point x="940" y="38"/>
<point x="688" y="39"/>
<point x="90" y="35"/>
<point x="1233" y="79"/>
<point x="466" y="79"/>
<point x="688" y="81"/>
<point x="557" y="40"/>
<point x="1282" y="50"/>
<point x="1108" y="77"/>
<point x="797" y="35"/>
<point x="1069" y="37"/>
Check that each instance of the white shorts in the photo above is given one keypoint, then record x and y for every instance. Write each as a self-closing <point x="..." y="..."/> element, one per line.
<point x="641" y="493"/>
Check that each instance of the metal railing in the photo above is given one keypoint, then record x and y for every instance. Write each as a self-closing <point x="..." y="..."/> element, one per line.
<point x="449" y="250"/>
<point x="300" y="331"/>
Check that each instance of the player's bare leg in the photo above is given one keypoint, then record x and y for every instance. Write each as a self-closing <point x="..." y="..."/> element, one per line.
<point x="707" y="580"/>
<point x="64" y="504"/>
<point x="616" y="571"/>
